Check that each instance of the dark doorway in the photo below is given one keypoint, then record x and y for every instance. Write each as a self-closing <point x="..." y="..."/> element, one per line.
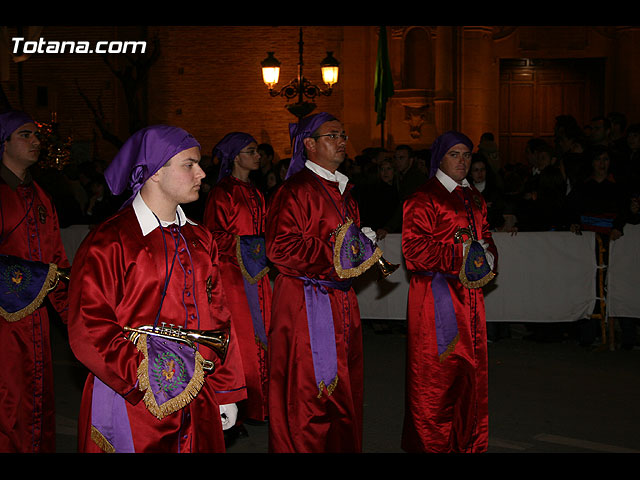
<point x="534" y="92"/>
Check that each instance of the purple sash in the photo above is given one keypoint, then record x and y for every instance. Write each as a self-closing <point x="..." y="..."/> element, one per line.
<point x="445" y="315"/>
<point x="321" y="332"/>
<point x="252" y="259"/>
<point x="24" y="284"/>
<point x="251" y="291"/>
<point x="110" y="428"/>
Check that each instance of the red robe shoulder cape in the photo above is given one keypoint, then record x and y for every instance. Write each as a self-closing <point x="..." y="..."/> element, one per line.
<point x="302" y="216"/>
<point x="446" y="397"/>
<point x="30" y="230"/>
<point x="117" y="279"/>
<point x="238" y="208"/>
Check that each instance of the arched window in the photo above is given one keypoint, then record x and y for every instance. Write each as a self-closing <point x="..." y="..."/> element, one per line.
<point x="418" y="64"/>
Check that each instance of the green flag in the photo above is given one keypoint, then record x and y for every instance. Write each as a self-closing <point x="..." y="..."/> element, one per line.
<point x="383" y="87"/>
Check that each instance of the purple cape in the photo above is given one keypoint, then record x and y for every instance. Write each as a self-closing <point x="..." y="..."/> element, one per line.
<point x="143" y="154"/>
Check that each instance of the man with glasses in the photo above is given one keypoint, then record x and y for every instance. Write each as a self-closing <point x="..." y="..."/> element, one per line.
<point x="315" y="337"/>
<point x="235" y="213"/>
<point x="449" y="251"/>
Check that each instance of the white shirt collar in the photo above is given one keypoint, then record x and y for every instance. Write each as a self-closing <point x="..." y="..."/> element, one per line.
<point x="480" y="186"/>
<point x="339" y="177"/>
<point x="449" y="183"/>
<point x="148" y="220"/>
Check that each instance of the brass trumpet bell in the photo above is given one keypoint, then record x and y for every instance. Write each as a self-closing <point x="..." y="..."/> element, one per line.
<point x="386" y="268"/>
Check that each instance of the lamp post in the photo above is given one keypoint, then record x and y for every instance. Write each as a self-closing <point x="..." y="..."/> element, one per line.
<point x="300" y="87"/>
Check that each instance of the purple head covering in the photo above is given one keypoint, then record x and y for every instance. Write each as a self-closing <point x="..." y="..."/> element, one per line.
<point x="298" y="132"/>
<point x="9" y="122"/>
<point x="143" y="154"/>
<point x="228" y="148"/>
<point x="442" y="144"/>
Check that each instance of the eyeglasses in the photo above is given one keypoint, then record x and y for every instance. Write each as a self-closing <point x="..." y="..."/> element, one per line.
<point x="333" y="136"/>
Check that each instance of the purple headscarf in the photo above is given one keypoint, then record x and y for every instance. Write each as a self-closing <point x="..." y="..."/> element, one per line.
<point x="227" y="150"/>
<point x="143" y="154"/>
<point x="298" y="132"/>
<point x="9" y="123"/>
<point x="442" y="144"/>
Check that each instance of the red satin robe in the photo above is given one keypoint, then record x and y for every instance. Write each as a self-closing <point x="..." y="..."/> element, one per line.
<point x="446" y="402"/>
<point x="300" y="221"/>
<point x="117" y="279"/>
<point x="27" y="421"/>
<point x="238" y="208"/>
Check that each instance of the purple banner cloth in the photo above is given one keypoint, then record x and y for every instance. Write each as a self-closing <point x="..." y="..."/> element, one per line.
<point x="251" y="290"/>
<point x="252" y="255"/>
<point x="22" y="282"/>
<point x="321" y="332"/>
<point x="109" y="417"/>
<point x="476" y="266"/>
<point x="171" y="367"/>
<point x="356" y="248"/>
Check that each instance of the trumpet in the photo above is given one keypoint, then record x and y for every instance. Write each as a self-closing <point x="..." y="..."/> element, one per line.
<point x="216" y="340"/>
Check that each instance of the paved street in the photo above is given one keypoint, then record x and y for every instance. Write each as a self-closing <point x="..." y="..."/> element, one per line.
<point x="552" y="397"/>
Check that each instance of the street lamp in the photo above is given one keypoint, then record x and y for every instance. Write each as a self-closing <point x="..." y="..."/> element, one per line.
<point x="300" y="87"/>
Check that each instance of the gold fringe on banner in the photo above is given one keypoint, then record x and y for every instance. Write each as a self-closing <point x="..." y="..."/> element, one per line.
<point x="360" y="269"/>
<point x="463" y="278"/>
<point x="176" y="403"/>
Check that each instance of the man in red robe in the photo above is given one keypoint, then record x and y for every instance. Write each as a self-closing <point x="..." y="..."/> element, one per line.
<point x="315" y="337"/>
<point x="445" y="232"/>
<point x="29" y="231"/>
<point x="235" y="214"/>
<point x="149" y="266"/>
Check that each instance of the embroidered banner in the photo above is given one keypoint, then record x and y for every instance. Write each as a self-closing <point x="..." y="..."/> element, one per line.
<point x="353" y="252"/>
<point x="24" y="285"/>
